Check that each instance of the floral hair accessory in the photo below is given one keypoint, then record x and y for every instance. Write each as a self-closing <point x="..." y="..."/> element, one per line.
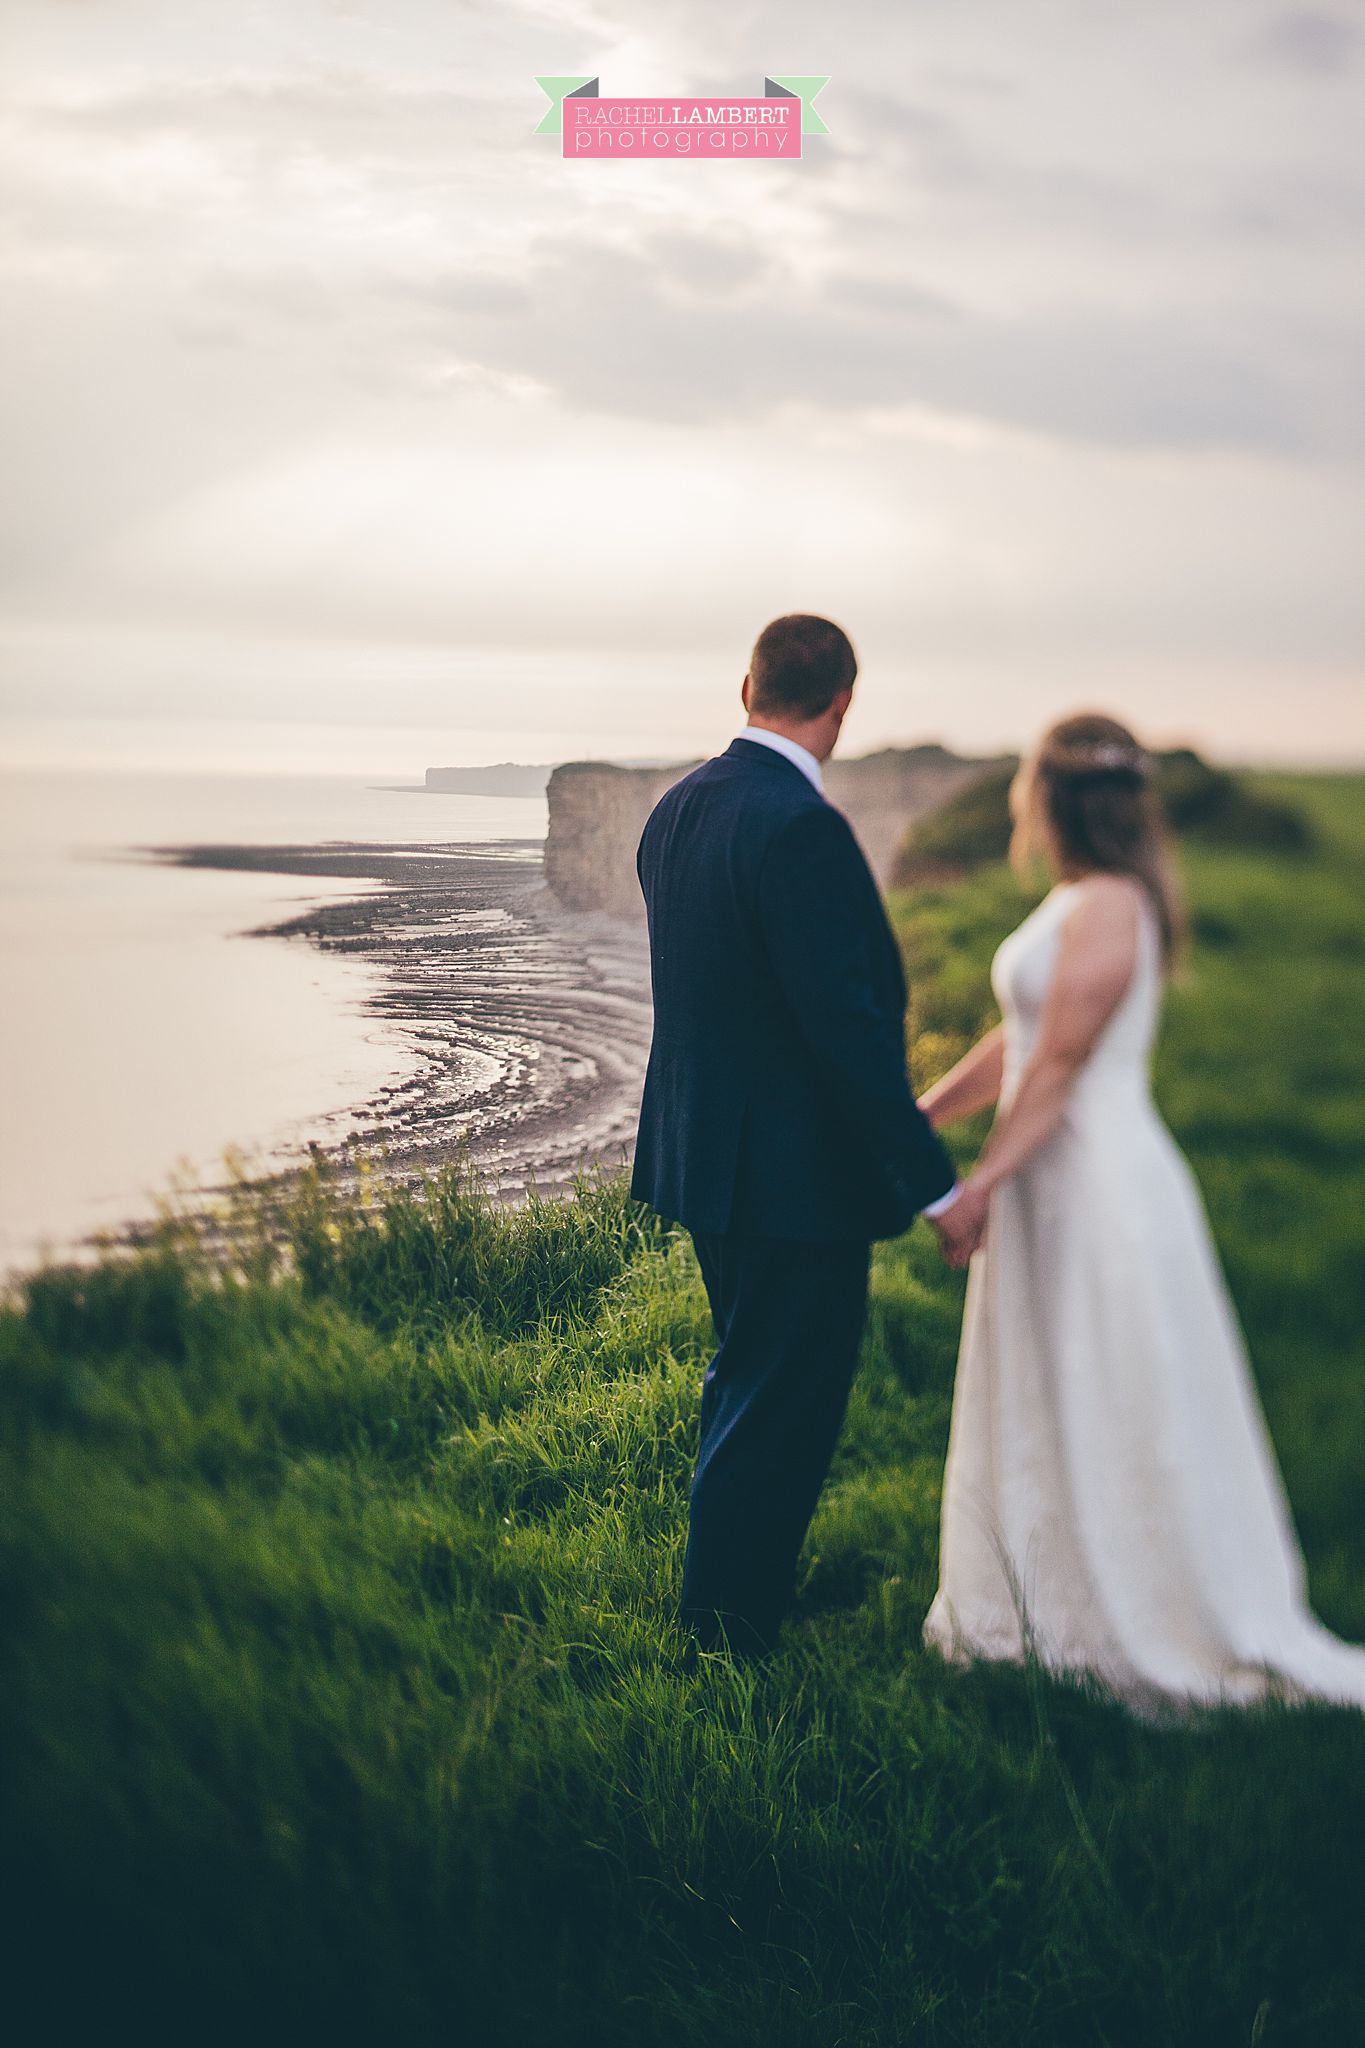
<point x="1084" y="757"/>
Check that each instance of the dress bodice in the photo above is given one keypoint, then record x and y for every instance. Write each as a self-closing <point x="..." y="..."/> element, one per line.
<point x="1021" y="974"/>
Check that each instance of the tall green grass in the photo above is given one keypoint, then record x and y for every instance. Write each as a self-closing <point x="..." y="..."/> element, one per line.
<point x="342" y="1697"/>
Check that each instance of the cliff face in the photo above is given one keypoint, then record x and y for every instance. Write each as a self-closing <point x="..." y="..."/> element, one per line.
<point x="881" y="794"/>
<point x="598" y="811"/>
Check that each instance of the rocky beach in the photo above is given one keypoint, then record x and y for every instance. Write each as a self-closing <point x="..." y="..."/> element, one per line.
<point x="524" y="1027"/>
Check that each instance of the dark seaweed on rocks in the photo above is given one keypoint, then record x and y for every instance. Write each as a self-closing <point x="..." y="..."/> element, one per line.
<point x="524" y="1026"/>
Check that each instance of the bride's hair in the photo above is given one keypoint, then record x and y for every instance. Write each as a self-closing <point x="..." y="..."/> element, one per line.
<point x="1084" y="800"/>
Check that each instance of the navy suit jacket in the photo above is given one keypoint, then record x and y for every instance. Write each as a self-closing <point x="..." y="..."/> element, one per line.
<point x="776" y="1099"/>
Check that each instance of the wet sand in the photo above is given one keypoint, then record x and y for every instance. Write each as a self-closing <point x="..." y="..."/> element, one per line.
<point x="524" y="1028"/>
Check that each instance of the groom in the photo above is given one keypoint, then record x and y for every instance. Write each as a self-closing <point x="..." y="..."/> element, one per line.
<point x="777" y="1123"/>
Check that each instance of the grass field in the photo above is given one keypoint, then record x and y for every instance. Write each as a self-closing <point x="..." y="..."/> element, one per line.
<point x="341" y="1697"/>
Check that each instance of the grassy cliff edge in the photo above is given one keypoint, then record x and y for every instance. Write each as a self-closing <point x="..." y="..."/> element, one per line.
<point x="342" y="1696"/>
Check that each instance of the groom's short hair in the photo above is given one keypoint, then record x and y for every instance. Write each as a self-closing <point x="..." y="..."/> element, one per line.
<point x="799" y="665"/>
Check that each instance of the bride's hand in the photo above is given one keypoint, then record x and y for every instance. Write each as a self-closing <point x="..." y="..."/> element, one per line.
<point x="961" y="1226"/>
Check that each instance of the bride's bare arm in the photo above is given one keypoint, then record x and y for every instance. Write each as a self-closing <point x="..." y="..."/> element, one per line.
<point x="1095" y="960"/>
<point x="973" y="1084"/>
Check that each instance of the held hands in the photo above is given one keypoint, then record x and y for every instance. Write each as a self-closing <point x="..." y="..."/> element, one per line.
<point x="961" y="1227"/>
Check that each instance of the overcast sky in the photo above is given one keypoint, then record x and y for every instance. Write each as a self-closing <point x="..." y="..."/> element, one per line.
<point x="333" y="395"/>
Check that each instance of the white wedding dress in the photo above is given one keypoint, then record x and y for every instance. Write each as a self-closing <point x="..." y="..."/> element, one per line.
<point x="1112" y="1502"/>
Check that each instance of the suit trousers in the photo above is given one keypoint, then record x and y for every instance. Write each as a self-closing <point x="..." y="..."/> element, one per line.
<point x="789" y="1319"/>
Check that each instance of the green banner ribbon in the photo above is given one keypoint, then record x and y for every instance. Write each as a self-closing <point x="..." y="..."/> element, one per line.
<point x="557" y="90"/>
<point x="805" y="90"/>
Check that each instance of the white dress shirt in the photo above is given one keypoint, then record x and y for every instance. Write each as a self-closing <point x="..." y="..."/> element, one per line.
<point x="802" y="758"/>
<point x="780" y="744"/>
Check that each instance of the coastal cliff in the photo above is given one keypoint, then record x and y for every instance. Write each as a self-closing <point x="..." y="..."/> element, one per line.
<point x="598" y="810"/>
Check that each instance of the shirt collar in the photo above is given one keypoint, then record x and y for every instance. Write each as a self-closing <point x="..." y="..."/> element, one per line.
<point x="800" y="757"/>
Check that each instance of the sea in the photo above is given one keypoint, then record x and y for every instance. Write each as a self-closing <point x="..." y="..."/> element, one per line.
<point x="146" y="1040"/>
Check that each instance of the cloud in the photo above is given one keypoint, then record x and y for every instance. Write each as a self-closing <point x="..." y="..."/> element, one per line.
<point x="1309" y="41"/>
<point x="639" y="334"/>
<point x="280" y="288"/>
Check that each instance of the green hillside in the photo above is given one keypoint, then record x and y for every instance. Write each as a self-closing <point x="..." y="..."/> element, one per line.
<point x="341" y="1697"/>
<point x="1206" y="806"/>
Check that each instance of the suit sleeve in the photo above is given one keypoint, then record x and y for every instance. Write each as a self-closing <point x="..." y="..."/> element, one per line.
<point x="820" y="913"/>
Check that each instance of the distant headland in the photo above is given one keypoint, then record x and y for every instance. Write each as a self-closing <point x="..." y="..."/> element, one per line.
<point x="504" y="778"/>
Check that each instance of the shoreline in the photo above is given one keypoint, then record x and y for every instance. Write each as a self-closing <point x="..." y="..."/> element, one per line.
<point x="525" y="1027"/>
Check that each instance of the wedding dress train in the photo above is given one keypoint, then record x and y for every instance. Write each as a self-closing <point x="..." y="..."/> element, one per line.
<point x="1112" y="1501"/>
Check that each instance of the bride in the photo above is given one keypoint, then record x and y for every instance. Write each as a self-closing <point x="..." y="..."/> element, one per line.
<point x="1112" y="1504"/>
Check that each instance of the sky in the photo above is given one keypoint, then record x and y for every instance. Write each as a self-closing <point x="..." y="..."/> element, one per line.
<point x="345" y="422"/>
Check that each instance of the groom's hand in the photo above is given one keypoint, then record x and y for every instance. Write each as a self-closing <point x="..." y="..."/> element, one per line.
<point x="961" y="1226"/>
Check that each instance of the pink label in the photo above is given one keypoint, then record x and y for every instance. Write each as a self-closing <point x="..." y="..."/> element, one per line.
<point x="641" y="129"/>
